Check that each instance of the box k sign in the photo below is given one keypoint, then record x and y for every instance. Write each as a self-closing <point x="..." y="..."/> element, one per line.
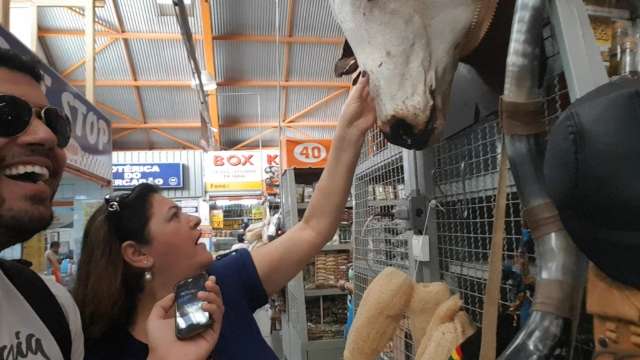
<point x="241" y="172"/>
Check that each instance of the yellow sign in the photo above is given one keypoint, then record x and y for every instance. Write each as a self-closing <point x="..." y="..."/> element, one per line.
<point x="257" y="212"/>
<point x="217" y="219"/>
<point x="33" y="250"/>
<point x="233" y="186"/>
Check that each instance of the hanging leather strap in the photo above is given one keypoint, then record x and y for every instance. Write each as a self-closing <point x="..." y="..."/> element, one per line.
<point x="522" y="117"/>
<point x="492" y="291"/>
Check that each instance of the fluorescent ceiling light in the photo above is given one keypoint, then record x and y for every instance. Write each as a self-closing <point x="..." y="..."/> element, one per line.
<point x="170" y="2"/>
<point x="207" y="82"/>
<point x="166" y="7"/>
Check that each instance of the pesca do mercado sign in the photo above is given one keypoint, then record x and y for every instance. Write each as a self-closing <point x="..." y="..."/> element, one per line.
<point x="165" y="176"/>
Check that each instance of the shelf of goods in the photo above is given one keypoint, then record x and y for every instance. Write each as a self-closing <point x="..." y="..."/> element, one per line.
<point x="460" y="173"/>
<point x="316" y="309"/>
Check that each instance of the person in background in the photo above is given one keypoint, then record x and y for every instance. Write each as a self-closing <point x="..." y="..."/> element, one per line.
<point x="38" y="318"/>
<point x="144" y="244"/>
<point x="241" y="244"/>
<point x="53" y="261"/>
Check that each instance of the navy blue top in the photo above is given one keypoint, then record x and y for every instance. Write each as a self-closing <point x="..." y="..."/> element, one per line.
<point x="240" y="338"/>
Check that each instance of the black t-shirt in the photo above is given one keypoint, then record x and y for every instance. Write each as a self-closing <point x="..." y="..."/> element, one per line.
<point x="240" y="338"/>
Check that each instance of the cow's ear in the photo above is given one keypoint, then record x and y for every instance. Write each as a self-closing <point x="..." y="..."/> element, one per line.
<point x="347" y="64"/>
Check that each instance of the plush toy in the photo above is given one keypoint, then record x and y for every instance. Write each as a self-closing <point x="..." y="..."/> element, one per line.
<point x="436" y="320"/>
<point x="382" y="307"/>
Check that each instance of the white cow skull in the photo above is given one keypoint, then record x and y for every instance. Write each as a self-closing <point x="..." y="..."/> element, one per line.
<point x="411" y="49"/>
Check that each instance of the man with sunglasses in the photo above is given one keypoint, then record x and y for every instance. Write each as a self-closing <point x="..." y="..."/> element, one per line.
<point x="32" y="159"/>
<point x="38" y="318"/>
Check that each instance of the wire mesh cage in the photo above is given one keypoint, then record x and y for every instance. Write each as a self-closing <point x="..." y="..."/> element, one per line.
<point x="465" y="179"/>
<point x="380" y="239"/>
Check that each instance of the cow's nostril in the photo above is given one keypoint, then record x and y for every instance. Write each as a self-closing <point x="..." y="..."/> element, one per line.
<point x="403" y="134"/>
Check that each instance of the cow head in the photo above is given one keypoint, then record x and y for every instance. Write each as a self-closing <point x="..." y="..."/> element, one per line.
<point x="411" y="50"/>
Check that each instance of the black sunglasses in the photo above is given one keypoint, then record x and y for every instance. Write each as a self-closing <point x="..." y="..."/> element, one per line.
<point x="16" y="114"/>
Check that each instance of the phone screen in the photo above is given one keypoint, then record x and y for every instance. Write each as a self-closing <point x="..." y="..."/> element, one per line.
<point x="190" y="317"/>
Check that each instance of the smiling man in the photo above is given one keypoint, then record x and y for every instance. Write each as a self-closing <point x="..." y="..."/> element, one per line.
<point x="39" y="319"/>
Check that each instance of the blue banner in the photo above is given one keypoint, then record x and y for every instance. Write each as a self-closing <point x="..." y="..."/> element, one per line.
<point x="90" y="146"/>
<point x="165" y="176"/>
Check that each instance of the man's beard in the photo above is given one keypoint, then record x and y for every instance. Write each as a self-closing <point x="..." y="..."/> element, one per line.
<point x="18" y="225"/>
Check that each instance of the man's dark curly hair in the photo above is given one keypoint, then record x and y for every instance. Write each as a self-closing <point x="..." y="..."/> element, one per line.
<point x="27" y="65"/>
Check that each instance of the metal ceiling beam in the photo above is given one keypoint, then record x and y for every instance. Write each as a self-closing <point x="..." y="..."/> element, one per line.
<point x="90" y="51"/>
<point x="5" y="10"/>
<point x="287" y="51"/>
<point x="123" y="134"/>
<point x="196" y="125"/>
<point x="99" y="22"/>
<point x="295" y="117"/>
<point x="132" y="70"/>
<point x="315" y="106"/>
<point x="210" y="66"/>
<point x="58" y="3"/>
<point x="175" y="139"/>
<point x="66" y="72"/>
<point x="224" y="83"/>
<point x="305" y="135"/>
<point x="117" y="113"/>
<point x="252" y="139"/>
<point x="169" y="36"/>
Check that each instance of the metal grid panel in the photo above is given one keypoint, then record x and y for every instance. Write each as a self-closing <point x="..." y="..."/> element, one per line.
<point x="380" y="240"/>
<point x="466" y="178"/>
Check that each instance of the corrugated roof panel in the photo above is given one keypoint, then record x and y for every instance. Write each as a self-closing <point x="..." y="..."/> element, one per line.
<point x="164" y="103"/>
<point x="232" y="137"/>
<point x="299" y="99"/>
<point x="162" y="60"/>
<point x="119" y="98"/>
<point x="111" y="64"/>
<point x="188" y="135"/>
<point x="67" y="51"/>
<point x="314" y="18"/>
<point x="144" y="16"/>
<point x="247" y="104"/>
<point x="319" y="133"/>
<point x="313" y="61"/>
<point x="247" y="60"/>
<point x="59" y="18"/>
<point x="136" y="139"/>
<point x="255" y="17"/>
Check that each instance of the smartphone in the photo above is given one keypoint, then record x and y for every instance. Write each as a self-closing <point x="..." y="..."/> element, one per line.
<point x="191" y="319"/>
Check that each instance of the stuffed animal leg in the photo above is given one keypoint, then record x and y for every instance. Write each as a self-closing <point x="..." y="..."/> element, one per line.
<point x="382" y="307"/>
<point x="449" y="327"/>
<point x="426" y="299"/>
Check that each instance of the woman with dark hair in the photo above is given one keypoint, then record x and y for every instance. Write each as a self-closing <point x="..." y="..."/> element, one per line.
<point x="115" y="289"/>
<point x="135" y="257"/>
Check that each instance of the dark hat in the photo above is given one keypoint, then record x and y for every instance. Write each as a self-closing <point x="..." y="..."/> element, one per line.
<point x="592" y="172"/>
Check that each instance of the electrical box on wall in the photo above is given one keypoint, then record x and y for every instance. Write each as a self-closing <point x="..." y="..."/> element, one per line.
<point x="420" y="247"/>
